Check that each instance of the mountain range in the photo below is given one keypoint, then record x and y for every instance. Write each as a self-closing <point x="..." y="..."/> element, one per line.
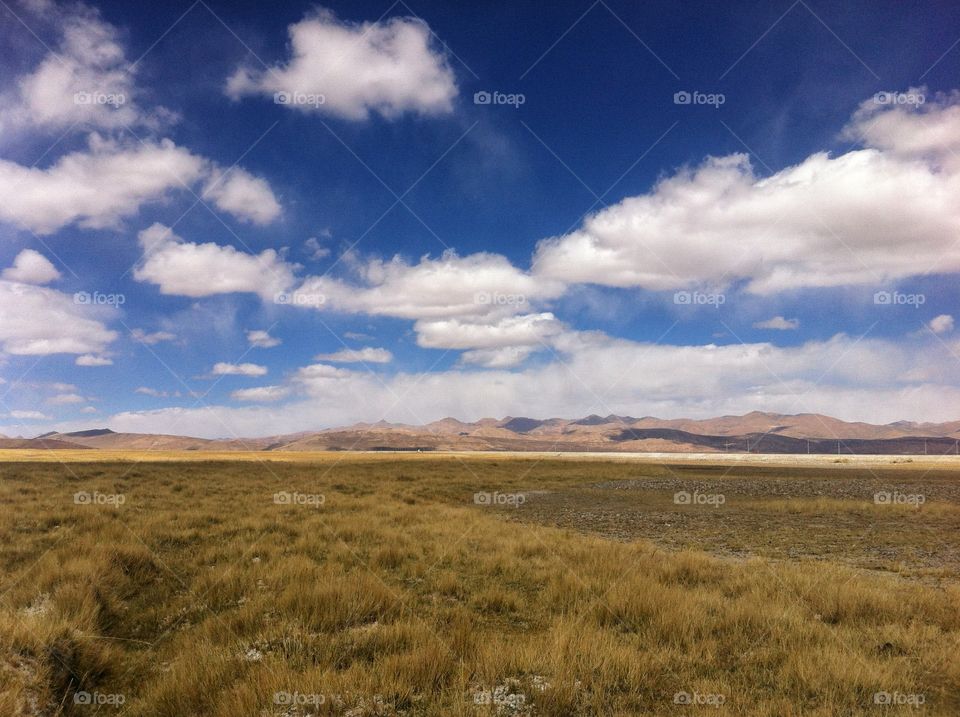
<point x="756" y="432"/>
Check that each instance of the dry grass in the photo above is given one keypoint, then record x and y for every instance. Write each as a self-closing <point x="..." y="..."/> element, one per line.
<point x="200" y="595"/>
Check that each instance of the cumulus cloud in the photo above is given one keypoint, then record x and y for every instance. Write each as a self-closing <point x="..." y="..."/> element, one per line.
<point x="917" y="125"/>
<point x="505" y="357"/>
<point x="525" y="330"/>
<point x="243" y="195"/>
<point x="367" y="354"/>
<point x="350" y="70"/>
<point x="31" y="267"/>
<point x="315" y="249"/>
<point x="112" y="178"/>
<point x="449" y="286"/>
<point x="241" y="369"/>
<point x="91" y="360"/>
<point x="86" y="80"/>
<point x="261" y="394"/>
<point x="875" y="380"/>
<point x="96" y="187"/>
<point x="86" y="83"/>
<point x="778" y="323"/>
<point x="65" y="399"/>
<point x="147" y="391"/>
<point x="470" y="302"/>
<point x="184" y="268"/>
<point x="36" y="320"/>
<point x="29" y="415"/>
<point x="151" y="339"/>
<point x="262" y="339"/>
<point x="877" y="214"/>
<point x="942" y="324"/>
<point x="319" y="372"/>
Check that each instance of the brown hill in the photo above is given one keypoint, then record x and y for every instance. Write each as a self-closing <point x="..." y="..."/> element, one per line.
<point x="755" y="432"/>
<point x="39" y="443"/>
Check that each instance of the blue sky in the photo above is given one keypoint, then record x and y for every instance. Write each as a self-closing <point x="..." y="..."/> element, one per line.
<point x="238" y="219"/>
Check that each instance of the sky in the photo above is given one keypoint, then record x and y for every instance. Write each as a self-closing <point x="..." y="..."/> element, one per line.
<point x="230" y="219"/>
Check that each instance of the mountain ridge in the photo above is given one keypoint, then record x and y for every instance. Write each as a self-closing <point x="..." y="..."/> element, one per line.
<point x="756" y="431"/>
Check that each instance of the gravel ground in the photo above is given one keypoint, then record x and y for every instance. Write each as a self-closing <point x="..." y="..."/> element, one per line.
<point x="826" y="517"/>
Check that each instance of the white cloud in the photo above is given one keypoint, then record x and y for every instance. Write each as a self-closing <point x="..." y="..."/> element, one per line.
<point x="873" y="215"/>
<point x="367" y="354"/>
<point x="505" y="357"/>
<point x="262" y="339"/>
<point x="31" y="267"/>
<point x="469" y="302"/>
<point x="942" y="324"/>
<point x="868" y="379"/>
<point x="88" y="409"/>
<point x="91" y="360"/>
<point x="94" y="188"/>
<point x="147" y="391"/>
<point x="97" y="187"/>
<point x="59" y="386"/>
<point x="35" y="320"/>
<point x="357" y="336"/>
<point x="87" y="80"/>
<point x="86" y="84"/>
<point x="151" y="338"/>
<point x="183" y="268"/>
<point x="320" y="372"/>
<point x="778" y="323"/>
<point x="261" y="394"/>
<point x="242" y="195"/>
<point x="526" y="330"/>
<point x="449" y="286"/>
<point x="29" y="415"/>
<point x="350" y="70"/>
<point x="321" y="379"/>
<point x="316" y="250"/>
<point x="65" y="399"/>
<point x="241" y="369"/>
<point x="929" y="130"/>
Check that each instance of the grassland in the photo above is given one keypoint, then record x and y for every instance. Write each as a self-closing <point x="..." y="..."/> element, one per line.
<point x="430" y="585"/>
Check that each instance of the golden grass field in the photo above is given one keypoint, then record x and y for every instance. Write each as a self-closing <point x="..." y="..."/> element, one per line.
<point x="176" y="585"/>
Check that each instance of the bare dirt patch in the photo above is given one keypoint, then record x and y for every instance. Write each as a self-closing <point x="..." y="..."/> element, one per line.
<point x="783" y="514"/>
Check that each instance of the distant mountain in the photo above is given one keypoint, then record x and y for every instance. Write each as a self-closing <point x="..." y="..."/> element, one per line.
<point x="755" y="432"/>
<point x="92" y="433"/>
<point x="40" y="443"/>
